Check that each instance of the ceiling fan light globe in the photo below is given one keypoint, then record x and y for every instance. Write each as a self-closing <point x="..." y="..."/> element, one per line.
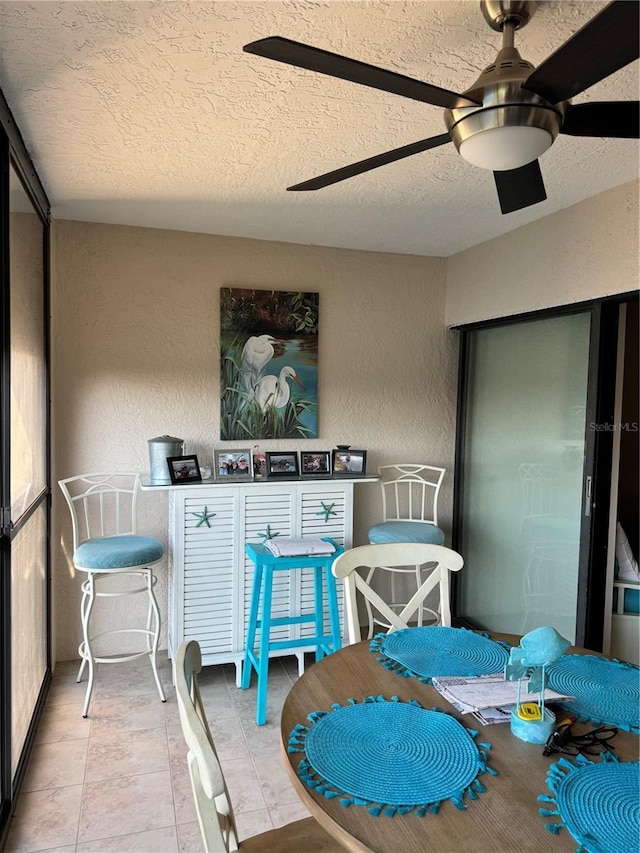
<point x="502" y="148"/>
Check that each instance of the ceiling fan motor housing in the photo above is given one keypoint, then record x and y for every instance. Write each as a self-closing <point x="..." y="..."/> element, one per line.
<point x="504" y="103"/>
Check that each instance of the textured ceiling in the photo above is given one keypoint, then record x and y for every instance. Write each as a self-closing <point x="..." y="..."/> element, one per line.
<point x="150" y="113"/>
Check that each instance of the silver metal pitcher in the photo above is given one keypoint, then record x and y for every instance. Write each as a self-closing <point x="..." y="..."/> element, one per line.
<point x="159" y="449"/>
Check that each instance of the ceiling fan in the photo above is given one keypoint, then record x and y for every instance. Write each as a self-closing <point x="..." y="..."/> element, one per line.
<point x="513" y="112"/>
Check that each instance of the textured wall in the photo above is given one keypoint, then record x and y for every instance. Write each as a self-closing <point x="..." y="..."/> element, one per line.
<point x="135" y="355"/>
<point x="582" y="252"/>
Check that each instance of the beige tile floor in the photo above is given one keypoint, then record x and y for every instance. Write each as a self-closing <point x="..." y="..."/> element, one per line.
<point x="118" y="782"/>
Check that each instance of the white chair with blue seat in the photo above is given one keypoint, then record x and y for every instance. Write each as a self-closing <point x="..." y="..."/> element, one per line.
<point x="105" y="544"/>
<point x="410" y="493"/>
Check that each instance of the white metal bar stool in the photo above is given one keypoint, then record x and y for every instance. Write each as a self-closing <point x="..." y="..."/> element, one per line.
<point x="410" y="494"/>
<point x="105" y="543"/>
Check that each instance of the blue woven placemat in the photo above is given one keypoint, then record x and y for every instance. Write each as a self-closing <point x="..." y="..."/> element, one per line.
<point x="391" y="756"/>
<point x="428" y="652"/>
<point x="606" y="691"/>
<point x="597" y="802"/>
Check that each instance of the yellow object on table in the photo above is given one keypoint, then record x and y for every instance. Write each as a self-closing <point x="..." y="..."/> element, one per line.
<point x="529" y="711"/>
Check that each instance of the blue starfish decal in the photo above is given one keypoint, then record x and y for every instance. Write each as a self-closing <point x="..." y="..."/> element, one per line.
<point x="204" y="517"/>
<point x="268" y="534"/>
<point x="327" y="510"/>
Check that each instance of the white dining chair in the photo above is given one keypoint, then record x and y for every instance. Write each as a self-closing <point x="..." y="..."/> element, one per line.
<point x="212" y="801"/>
<point x="410" y="493"/>
<point x="387" y="558"/>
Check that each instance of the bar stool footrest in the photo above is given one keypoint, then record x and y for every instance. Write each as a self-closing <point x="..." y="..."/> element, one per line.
<point x="305" y="619"/>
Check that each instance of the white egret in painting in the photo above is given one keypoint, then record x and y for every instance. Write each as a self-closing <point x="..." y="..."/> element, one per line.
<point x="274" y="390"/>
<point x="256" y="354"/>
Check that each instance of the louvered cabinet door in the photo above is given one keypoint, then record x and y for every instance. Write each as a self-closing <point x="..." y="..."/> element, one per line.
<point x="269" y="512"/>
<point x="204" y="572"/>
<point x="325" y="511"/>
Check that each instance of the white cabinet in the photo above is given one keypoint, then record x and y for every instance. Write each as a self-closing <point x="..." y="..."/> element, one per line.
<point x="210" y="577"/>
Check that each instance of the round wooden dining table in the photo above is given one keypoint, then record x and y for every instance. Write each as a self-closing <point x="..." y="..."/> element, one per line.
<point x="504" y="819"/>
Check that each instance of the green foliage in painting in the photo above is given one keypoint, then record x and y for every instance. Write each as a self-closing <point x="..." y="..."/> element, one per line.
<point x="242" y="418"/>
<point x="287" y="312"/>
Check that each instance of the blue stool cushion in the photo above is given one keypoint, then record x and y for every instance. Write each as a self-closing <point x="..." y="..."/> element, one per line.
<point x="406" y="531"/>
<point x="117" y="552"/>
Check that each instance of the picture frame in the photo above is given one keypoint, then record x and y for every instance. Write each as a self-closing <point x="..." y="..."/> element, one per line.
<point x="184" y="469"/>
<point x="315" y="463"/>
<point x="282" y="463"/>
<point x="348" y="463"/>
<point x="259" y="465"/>
<point x="232" y="465"/>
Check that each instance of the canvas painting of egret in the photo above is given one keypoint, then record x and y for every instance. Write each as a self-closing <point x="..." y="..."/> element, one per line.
<point x="269" y="364"/>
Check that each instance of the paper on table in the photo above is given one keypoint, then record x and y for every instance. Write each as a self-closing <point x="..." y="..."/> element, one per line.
<point x="490" y="716"/>
<point x="298" y="547"/>
<point x="487" y="691"/>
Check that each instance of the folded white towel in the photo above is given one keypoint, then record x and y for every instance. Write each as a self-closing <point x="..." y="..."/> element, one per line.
<point x="299" y="547"/>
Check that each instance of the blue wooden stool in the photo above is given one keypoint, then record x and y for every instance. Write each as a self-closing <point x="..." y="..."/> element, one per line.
<point x="266" y="564"/>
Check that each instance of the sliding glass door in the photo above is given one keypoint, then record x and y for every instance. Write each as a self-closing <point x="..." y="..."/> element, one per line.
<point x="523" y="497"/>
<point x="25" y="665"/>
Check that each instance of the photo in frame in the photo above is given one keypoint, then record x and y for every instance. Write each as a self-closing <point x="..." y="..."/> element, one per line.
<point x="184" y="469"/>
<point x="348" y="463"/>
<point x="233" y="464"/>
<point x="315" y="463"/>
<point x="282" y="464"/>
<point x="259" y="463"/>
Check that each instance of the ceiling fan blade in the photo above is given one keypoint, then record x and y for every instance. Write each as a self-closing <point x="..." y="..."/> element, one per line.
<point x="619" y="119"/>
<point x="518" y="188"/>
<point x="324" y="62"/>
<point x="608" y="42"/>
<point x="372" y="163"/>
